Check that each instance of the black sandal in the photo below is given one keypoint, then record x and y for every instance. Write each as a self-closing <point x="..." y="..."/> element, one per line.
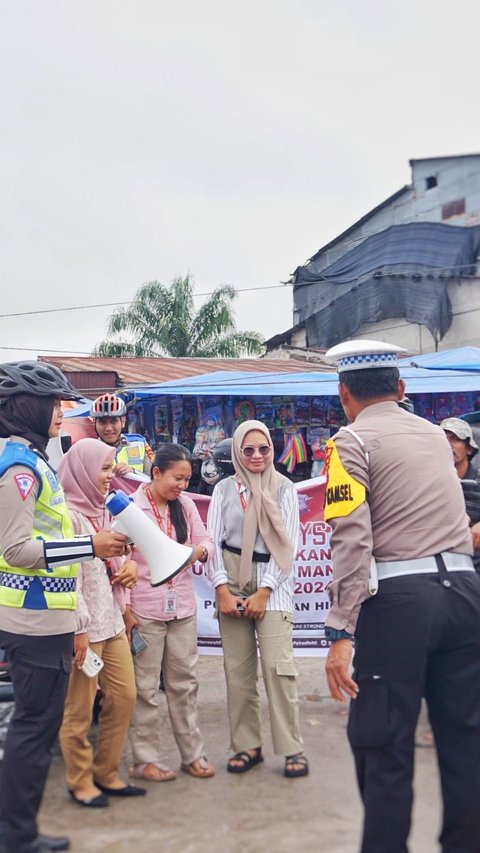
<point x="290" y="762"/>
<point x="248" y="761"/>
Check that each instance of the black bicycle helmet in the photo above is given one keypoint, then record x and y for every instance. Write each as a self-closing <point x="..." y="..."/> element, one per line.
<point x="222" y="456"/>
<point x="35" y="377"/>
<point x="210" y="472"/>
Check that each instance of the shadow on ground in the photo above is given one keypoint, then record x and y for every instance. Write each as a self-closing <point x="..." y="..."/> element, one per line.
<point x="258" y="812"/>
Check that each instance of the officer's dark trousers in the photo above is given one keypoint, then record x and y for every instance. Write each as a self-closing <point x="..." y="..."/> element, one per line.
<point x="39" y="669"/>
<point x="419" y="636"/>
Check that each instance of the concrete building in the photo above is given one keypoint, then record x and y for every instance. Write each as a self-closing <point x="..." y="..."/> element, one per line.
<point x="444" y="191"/>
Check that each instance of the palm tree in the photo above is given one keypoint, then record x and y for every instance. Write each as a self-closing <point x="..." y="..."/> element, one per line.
<point x="162" y="321"/>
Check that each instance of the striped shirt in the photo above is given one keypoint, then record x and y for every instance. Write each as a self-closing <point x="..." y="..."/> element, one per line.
<point x="66" y="551"/>
<point x="269" y="574"/>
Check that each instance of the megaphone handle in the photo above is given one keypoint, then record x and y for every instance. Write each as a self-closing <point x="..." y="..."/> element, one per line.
<point x="118" y="527"/>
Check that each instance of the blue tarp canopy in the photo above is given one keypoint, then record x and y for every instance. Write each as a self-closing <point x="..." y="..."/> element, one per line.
<point x="80" y="411"/>
<point x="311" y="384"/>
<point x="462" y="358"/>
<point x="242" y="384"/>
<point x="224" y="383"/>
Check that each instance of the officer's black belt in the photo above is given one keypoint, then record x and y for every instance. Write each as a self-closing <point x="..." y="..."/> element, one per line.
<point x="256" y="557"/>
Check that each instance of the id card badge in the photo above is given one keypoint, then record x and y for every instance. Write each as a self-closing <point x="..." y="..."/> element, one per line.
<point x="170" y="602"/>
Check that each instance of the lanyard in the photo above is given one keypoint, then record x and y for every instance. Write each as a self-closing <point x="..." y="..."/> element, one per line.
<point x="108" y="564"/>
<point x="241" y="495"/>
<point x="157" y="515"/>
<point x="159" y="521"/>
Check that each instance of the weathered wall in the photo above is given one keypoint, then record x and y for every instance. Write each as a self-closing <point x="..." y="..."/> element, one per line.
<point x="464" y="331"/>
<point x="456" y="178"/>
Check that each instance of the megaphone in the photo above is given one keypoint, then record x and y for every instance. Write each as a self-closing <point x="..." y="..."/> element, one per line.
<point x="57" y="448"/>
<point x="165" y="557"/>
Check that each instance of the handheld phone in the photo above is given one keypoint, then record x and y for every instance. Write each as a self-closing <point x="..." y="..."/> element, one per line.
<point x="137" y="643"/>
<point x="92" y="664"/>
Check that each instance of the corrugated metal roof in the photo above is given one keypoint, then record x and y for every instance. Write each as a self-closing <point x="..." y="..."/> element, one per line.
<point x="140" y="371"/>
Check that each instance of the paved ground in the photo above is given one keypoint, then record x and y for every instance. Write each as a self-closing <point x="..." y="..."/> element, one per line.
<point x="258" y="811"/>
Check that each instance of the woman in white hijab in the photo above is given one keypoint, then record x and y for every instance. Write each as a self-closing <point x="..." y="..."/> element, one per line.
<point x="254" y="521"/>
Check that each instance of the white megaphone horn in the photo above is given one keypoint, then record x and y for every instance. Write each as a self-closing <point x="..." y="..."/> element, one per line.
<point x="165" y="557"/>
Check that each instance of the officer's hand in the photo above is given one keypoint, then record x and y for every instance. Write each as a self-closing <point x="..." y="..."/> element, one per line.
<point x="338" y="669"/>
<point x="80" y="646"/>
<point x="228" y="603"/>
<point x="121" y="468"/>
<point x="107" y="544"/>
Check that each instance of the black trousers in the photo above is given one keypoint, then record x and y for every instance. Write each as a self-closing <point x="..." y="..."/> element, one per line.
<point x="419" y="636"/>
<point x="39" y="668"/>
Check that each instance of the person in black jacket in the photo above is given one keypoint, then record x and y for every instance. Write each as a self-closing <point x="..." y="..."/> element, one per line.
<point x="464" y="448"/>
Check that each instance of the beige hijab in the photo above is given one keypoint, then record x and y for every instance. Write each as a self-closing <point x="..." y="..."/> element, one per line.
<point x="263" y="511"/>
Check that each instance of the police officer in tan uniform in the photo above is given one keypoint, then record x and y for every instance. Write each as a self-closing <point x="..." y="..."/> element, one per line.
<point x="405" y="587"/>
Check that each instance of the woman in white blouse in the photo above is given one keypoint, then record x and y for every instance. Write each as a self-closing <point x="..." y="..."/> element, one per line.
<point x="254" y="521"/>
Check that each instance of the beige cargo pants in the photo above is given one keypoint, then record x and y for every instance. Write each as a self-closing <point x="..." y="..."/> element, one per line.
<point x="273" y="634"/>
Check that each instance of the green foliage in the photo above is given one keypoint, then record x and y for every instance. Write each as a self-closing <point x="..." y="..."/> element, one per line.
<point x="162" y="321"/>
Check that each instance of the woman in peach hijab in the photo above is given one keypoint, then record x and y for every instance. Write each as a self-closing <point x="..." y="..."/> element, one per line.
<point x="85" y="474"/>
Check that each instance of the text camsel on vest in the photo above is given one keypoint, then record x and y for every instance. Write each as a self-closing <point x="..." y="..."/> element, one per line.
<point x="343" y="492"/>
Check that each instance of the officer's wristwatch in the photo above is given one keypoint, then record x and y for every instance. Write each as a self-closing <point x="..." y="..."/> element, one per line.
<point x="332" y="634"/>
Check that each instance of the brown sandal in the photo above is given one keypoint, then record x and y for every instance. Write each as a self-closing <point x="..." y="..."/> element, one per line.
<point x="152" y="772"/>
<point x="200" y="768"/>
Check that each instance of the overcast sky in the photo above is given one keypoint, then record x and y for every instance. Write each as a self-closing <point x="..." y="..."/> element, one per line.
<point x="229" y="139"/>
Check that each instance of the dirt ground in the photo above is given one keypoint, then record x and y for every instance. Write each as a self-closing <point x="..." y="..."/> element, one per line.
<point x="257" y="811"/>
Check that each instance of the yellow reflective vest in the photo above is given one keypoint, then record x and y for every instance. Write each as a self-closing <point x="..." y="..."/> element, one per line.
<point x="132" y="453"/>
<point x="40" y="589"/>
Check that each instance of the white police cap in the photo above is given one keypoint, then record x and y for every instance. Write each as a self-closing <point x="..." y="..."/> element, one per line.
<point x="363" y="355"/>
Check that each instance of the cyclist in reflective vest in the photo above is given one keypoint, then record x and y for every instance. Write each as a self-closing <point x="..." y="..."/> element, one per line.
<point x="134" y="455"/>
<point x="39" y="555"/>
